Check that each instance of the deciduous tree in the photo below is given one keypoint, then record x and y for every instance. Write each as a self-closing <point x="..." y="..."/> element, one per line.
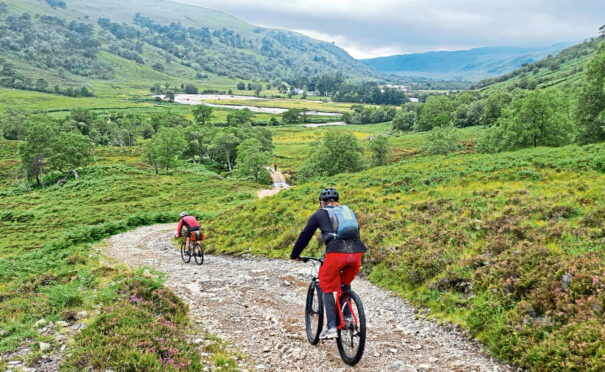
<point x="251" y="158"/>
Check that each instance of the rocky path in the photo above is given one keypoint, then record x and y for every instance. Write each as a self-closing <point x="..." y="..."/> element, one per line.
<point x="279" y="184"/>
<point x="257" y="304"/>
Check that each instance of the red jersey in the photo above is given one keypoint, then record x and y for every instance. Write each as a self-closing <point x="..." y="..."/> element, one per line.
<point x="188" y="222"/>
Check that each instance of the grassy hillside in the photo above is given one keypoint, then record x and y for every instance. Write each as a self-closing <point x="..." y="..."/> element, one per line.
<point x="50" y="270"/>
<point x="507" y="245"/>
<point x="563" y="70"/>
<point x="470" y="65"/>
<point x="114" y="46"/>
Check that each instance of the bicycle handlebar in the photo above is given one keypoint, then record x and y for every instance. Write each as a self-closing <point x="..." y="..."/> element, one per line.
<point x="307" y="259"/>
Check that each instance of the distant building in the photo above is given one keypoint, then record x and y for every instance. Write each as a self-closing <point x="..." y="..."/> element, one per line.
<point x="403" y="88"/>
<point x="602" y="31"/>
<point x="414" y="99"/>
<point x="301" y="91"/>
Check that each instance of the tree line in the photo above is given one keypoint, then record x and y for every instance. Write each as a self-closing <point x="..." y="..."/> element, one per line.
<point x="51" y="144"/>
<point x="341" y="90"/>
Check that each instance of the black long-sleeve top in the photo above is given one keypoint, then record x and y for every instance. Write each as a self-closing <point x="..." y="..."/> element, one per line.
<point x="321" y="219"/>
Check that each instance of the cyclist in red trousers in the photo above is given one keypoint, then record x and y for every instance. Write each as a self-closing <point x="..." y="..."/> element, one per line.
<point x="340" y="233"/>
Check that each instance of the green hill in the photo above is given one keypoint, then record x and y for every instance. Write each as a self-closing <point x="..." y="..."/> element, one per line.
<point x="562" y="70"/>
<point x="117" y="45"/>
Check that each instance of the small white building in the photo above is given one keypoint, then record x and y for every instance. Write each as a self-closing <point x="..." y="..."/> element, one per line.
<point x="301" y="91"/>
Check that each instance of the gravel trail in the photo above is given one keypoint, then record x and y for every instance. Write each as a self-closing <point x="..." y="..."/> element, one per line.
<point x="258" y="305"/>
<point x="279" y="184"/>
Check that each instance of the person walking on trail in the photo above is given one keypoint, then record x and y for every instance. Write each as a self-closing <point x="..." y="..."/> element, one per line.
<point x="344" y="249"/>
<point x="193" y="229"/>
<point x="275" y="167"/>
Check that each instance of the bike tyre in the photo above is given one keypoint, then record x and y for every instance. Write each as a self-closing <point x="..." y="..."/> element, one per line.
<point x="186" y="257"/>
<point x="198" y="254"/>
<point x="360" y="329"/>
<point x="314" y="307"/>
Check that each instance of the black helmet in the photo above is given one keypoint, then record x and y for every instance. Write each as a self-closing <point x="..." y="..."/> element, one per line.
<point x="329" y="193"/>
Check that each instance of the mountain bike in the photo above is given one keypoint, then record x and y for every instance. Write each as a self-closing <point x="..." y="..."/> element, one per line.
<point x="195" y="250"/>
<point x="351" y="334"/>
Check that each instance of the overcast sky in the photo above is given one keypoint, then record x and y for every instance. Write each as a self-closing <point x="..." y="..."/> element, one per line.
<point x="371" y="28"/>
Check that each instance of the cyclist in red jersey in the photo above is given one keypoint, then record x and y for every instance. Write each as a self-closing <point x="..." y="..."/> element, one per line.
<point x="193" y="228"/>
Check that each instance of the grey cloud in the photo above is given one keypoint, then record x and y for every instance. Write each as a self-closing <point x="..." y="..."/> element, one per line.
<point x="370" y="27"/>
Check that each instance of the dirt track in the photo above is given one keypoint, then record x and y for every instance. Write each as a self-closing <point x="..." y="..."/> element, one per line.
<point x="257" y="304"/>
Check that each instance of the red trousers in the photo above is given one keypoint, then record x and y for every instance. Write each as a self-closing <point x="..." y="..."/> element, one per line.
<point x="330" y="277"/>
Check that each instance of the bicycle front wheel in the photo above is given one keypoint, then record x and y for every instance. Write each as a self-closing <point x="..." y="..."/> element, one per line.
<point x="184" y="255"/>
<point x="314" y="312"/>
<point x="198" y="254"/>
<point x="351" y="339"/>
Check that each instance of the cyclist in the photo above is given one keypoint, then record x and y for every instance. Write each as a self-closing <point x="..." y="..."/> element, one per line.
<point x="343" y="252"/>
<point x="193" y="229"/>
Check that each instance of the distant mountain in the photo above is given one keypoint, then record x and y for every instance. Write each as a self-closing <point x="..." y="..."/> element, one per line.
<point x="471" y="65"/>
<point x="75" y="42"/>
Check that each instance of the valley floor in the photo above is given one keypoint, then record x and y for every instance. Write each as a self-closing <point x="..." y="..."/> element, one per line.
<point x="257" y="306"/>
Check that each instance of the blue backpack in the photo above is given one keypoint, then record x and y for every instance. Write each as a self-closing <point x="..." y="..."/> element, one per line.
<point x="344" y="222"/>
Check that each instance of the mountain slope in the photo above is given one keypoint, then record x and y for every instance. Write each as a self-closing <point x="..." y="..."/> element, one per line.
<point x="564" y="69"/>
<point x="68" y="44"/>
<point x="470" y="64"/>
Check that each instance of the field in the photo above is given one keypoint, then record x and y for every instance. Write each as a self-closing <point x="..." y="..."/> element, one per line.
<point x="293" y="144"/>
<point x="291" y="103"/>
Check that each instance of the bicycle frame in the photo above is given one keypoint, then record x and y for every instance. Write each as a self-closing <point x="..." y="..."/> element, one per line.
<point x="342" y="322"/>
<point x="339" y="294"/>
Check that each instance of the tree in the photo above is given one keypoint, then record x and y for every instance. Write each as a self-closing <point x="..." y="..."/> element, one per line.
<point x="442" y="140"/>
<point x="459" y="117"/>
<point x="378" y="115"/>
<point x="14" y="123"/>
<point x="590" y="106"/>
<point x="69" y="151"/>
<point x="291" y="116"/>
<point x="473" y="115"/>
<point x="198" y="139"/>
<point x="238" y="118"/>
<point x="403" y="121"/>
<point x="435" y="112"/>
<point x="41" y="85"/>
<point x="390" y="113"/>
<point x="273" y="121"/>
<point x="379" y="146"/>
<point x="36" y="147"/>
<point x="191" y="89"/>
<point x="539" y="119"/>
<point x="336" y="152"/>
<point x="251" y="158"/>
<point x="492" y="109"/>
<point x="225" y="144"/>
<point x="203" y="114"/>
<point x="164" y="148"/>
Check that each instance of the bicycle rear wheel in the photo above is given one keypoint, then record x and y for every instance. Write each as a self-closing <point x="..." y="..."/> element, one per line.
<point x="198" y="254"/>
<point x="314" y="312"/>
<point x="351" y="339"/>
<point x="184" y="255"/>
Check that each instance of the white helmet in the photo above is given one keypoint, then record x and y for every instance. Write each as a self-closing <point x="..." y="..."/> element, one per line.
<point x="183" y="214"/>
